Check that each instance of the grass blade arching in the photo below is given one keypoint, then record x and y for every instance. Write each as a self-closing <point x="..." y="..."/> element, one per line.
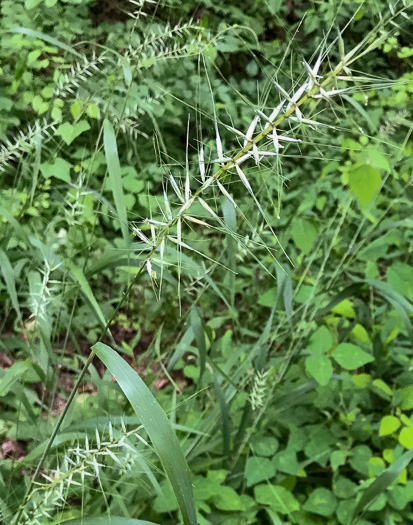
<point x="381" y="483"/>
<point x="87" y="291"/>
<point x="157" y="425"/>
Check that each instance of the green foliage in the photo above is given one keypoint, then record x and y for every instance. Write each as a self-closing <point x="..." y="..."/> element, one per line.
<point x="257" y="286"/>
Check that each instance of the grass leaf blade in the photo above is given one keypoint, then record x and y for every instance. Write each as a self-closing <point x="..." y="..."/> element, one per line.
<point x="115" y="175"/>
<point x="198" y="328"/>
<point x="107" y="521"/>
<point x="381" y="483"/>
<point x="87" y="291"/>
<point x="8" y="275"/>
<point x="157" y="425"/>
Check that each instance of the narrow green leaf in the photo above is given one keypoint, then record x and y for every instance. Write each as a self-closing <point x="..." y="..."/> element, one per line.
<point x="41" y="36"/>
<point x="361" y="110"/>
<point x="20" y="231"/>
<point x="115" y="176"/>
<point x="87" y="291"/>
<point x="226" y="436"/>
<point x="285" y="287"/>
<point x="230" y="219"/>
<point x="199" y="332"/>
<point x="107" y="521"/>
<point x="381" y="483"/>
<point x="127" y="70"/>
<point x="12" y="375"/>
<point x="157" y="425"/>
<point x="8" y="274"/>
<point x="402" y="305"/>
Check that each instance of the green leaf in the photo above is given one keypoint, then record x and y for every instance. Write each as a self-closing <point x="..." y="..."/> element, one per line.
<point x="70" y="132"/>
<point x="320" y="368"/>
<point x="199" y="333"/>
<point x="362" y="111"/>
<point x="304" y="234"/>
<point x="400" y="278"/>
<point x="322" y="502"/>
<point x="227" y="499"/>
<point x="30" y="4"/>
<point x="364" y="182"/>
<point x="350" y="356"/>
<point x="277" y="497"/>
<point x="127" y="70"/>
<point x="264" y="445"/>
<point x="87" y="291"/>
<point x="374" y="158"/>
<point x="76" y="109"/>
<point x="388" y="425"/>
<point x="321" y="341"/>
<point x="41" y="36"/>
<point x="338" y="458"/>
<point x="93" y="111"/>
<point x="344" y="488"/>
<point x="60" y="169"/>
<point x="286" y="461"/>
<point x="406" y="437"/>
<point x="268" y="298"/>
<point x="360" y="458"/>
<point x="8" y="275"/>
<point x="407" y="398"/>
<point x="259" y="469"/>
<point x="380" y="484"/>
<point x="20" y="231"/>
<point x="344" y="308"/>
<point x="113" y="520"/>
<point x="112" y="160"/>
<point x="12" y="375"/>
<point x="157" y="425"/>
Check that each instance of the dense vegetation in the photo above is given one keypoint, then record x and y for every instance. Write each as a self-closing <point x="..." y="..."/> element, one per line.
<point x="206" y="262"/>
